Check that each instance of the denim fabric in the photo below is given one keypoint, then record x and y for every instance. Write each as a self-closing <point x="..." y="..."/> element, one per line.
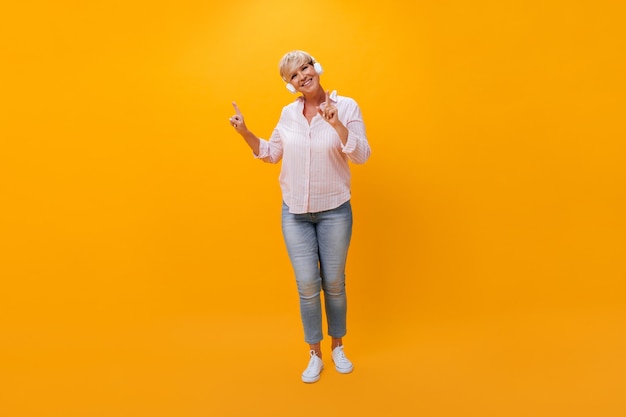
<point x="317" y="244"/>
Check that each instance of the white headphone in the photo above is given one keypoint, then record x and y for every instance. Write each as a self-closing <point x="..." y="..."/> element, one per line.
<point x="318" y="69"/>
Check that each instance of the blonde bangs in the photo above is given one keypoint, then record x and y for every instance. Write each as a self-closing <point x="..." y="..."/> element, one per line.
<point x="292" y="61"/>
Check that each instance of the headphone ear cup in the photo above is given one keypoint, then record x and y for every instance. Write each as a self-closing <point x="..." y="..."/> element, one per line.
<point x="318" y="68"/>
<point x="291" y="88"/>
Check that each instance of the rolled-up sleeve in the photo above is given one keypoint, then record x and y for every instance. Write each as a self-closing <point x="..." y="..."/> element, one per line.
<point x="357" y="148"/>
<point x="271" y="150"/>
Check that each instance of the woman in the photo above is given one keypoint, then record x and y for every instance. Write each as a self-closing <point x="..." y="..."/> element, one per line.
<point x="315" y="137"/>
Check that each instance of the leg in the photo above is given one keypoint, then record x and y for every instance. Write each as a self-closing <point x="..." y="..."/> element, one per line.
<point x="316" y="347"/>
<point x="336" y="341"/>
<point x="334" y="231"/>
<point x="300" y="237"/>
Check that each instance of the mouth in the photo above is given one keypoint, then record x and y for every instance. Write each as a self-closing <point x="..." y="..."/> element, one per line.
<point x="306" y="83"/>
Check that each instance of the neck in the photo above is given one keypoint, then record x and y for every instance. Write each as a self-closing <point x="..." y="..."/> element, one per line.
<point x="316" y="98"/>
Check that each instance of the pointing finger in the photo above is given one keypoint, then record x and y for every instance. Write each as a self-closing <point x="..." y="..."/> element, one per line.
<point x="236" y="109"/>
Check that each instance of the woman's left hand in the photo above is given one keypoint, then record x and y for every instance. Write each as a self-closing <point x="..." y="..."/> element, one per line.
<point x="328" y="111"/>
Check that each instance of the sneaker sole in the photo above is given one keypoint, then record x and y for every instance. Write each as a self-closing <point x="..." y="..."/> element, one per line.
<point x="344" y="370"/>
<point x="311" y="379"/>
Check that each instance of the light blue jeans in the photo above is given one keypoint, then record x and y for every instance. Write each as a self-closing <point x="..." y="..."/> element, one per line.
<point x="317" y="244"/>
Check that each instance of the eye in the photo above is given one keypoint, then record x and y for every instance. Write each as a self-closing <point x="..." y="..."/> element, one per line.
<point x="293" y="76"/>
<point x="305" y="66"/>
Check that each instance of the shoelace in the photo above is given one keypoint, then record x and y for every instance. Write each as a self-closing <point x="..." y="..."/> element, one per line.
<point x="340" y="357"/>
<point x="313" y="360"/>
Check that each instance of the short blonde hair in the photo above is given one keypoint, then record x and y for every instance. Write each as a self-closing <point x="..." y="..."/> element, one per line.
<point x="292" y="60"/>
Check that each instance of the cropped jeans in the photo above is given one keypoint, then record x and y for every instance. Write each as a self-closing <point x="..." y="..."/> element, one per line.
<point x="317" y="244"/>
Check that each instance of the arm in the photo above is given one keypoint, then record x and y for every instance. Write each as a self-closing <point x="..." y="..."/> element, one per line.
<point x="357" y="147"/>
<point x="266" y="150"/>
<point x="354" y="140"/>
<point x="329" y="112"/>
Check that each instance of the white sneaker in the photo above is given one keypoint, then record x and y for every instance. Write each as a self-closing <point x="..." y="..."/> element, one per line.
<point x="342" y="364"/>
<point x="314" y="369"/>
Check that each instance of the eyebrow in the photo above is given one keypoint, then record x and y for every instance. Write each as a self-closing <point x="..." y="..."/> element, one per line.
<point x="295" y="71"/>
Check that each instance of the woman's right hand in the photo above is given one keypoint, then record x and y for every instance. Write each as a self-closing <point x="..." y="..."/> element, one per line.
<point x="236" y="121"/>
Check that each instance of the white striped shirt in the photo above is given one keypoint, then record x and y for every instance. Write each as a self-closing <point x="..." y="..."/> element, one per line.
<point x="315" y="175"/>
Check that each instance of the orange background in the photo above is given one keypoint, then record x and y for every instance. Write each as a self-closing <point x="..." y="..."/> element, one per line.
<point x="142" y="263"/>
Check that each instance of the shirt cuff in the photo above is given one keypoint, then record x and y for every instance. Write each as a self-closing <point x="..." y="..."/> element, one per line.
<point x="263" y="150"/>
<point x="350" y="145"/>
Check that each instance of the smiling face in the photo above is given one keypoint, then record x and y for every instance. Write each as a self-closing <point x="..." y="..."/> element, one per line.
<point x="297" y="69"/>
<point x="304" y="78"/>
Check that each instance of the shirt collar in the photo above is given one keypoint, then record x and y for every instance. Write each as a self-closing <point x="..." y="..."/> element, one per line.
<point x="332" y="96"/>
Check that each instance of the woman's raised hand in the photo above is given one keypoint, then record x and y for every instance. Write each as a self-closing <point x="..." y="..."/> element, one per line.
<point x="237" y="120"/>
<point x="328" y="110"/>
